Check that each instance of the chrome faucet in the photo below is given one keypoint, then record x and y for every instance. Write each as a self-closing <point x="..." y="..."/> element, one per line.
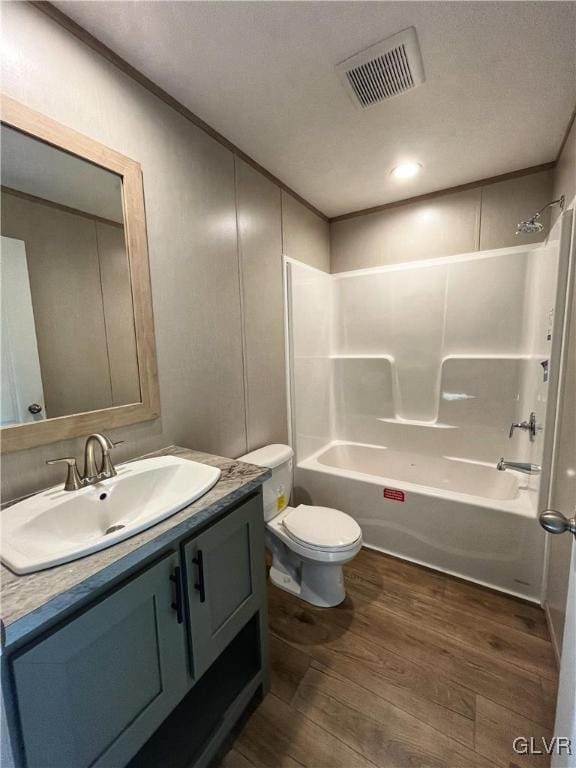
<point x="93" y="473"/>
<point x="519" y="466"/>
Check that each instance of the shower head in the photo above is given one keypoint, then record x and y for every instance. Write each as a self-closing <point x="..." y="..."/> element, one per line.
<point x="530" y="227"/>
<point x="533" y="225"/>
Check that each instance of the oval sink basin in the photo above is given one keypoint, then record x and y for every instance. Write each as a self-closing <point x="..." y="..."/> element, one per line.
<point x="57" y="526"/>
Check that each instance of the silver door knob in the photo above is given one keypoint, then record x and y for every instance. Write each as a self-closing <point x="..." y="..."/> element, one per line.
<point x="35" y="408"/>
<point x="556" y="522"/>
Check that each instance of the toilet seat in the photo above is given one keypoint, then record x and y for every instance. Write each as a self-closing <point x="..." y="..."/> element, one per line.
<point x="321" y="528"/>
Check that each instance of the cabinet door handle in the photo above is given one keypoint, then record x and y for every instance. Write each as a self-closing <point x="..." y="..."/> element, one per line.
<point x="177" y="604"/>
<point x="200" y="585"/>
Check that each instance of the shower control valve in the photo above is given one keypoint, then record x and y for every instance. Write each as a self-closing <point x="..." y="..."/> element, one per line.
<point x="529" y="426"/>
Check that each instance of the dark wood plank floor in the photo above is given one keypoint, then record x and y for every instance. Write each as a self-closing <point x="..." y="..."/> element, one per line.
<point x="415" y="669"/>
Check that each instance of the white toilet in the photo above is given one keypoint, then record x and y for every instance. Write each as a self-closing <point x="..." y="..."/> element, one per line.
<point x="309" y="544"/>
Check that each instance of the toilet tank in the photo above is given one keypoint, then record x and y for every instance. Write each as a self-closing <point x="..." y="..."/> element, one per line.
<point x="276" y="491"/>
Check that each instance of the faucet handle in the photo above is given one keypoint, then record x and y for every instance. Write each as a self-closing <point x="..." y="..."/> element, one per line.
<point x="529" y="425"/>
<point x="70" y="460"/>
<point x="73" y="479"/>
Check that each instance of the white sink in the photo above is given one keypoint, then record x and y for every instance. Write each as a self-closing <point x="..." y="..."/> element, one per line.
<point x="57" y="526"/>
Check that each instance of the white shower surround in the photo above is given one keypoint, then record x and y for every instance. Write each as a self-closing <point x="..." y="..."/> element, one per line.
<point x="415" y="392"/>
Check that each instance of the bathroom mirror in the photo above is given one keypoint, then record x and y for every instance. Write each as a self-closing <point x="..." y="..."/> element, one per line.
<point x="77" y="345"/>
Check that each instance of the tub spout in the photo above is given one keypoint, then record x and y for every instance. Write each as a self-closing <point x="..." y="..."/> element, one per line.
<point x="519" y="466"/>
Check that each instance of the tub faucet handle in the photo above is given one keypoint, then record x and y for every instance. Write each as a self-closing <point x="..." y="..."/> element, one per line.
<point x="529" y="425"/>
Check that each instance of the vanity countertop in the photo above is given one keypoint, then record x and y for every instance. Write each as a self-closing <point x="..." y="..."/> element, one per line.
<point x="32" y="600"/>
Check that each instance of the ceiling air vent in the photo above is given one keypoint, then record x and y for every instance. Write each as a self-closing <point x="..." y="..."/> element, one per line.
<point x="384" y="70"/>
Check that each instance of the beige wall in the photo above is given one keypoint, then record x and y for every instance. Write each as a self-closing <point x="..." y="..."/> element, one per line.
<point x="79" y="282"/>
<point x="260" y="251"/>
<point x="306" y="237"/>
<point x="190" y="192"/>
<point x="118" y="314"/>
<point x="565" y="171"/>
<point x="459" y="222"/>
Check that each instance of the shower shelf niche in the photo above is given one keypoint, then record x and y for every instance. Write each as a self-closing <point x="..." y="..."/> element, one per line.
<point x="416" y="423"/>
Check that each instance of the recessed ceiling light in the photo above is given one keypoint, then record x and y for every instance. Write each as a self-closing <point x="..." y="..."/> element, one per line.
<point x="406" y="170"/>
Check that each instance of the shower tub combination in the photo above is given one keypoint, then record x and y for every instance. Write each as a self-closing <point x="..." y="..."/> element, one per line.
<point x="457" y="516"/>
<point x="404" y="381"/>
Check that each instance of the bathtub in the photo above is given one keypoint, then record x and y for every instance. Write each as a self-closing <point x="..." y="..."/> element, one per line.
<point x="461" y="517"/>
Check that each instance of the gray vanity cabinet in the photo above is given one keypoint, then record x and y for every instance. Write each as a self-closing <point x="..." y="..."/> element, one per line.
<point x="226" y="581"/>
<point x="91" y="692"/>
<point x="156" y="671"/>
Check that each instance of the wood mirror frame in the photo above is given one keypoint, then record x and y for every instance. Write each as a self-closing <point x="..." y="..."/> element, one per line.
<point x="31" y="434"/>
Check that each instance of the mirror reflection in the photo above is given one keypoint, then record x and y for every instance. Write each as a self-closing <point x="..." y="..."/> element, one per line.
<point x="68" y="339"/>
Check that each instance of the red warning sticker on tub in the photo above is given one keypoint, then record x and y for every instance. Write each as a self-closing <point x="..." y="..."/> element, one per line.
<point x="394" y="494"/>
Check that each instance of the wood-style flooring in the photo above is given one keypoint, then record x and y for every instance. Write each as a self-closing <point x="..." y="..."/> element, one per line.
<point x="414" y="670"/>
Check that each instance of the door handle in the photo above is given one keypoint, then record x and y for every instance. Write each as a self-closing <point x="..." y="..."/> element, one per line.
<point x="555" y="522"/>
<point x="200" y="584"/>
<point x="178" y="604"/>
<point x="35" y="408"/>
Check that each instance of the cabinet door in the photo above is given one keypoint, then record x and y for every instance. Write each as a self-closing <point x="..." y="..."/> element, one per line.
<point x="93" y="691"/>
<point x="225" y="581"/>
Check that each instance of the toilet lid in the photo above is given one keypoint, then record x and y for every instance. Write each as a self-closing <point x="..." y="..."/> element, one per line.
<point x="322" y="527"/>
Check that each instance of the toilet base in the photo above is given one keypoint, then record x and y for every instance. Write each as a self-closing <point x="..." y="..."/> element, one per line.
<point x="283" y="580"/>
<point x="320" y="585"/>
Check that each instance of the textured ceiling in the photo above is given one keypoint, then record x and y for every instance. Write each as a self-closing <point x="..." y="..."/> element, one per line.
<point x="500" y="86"/>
